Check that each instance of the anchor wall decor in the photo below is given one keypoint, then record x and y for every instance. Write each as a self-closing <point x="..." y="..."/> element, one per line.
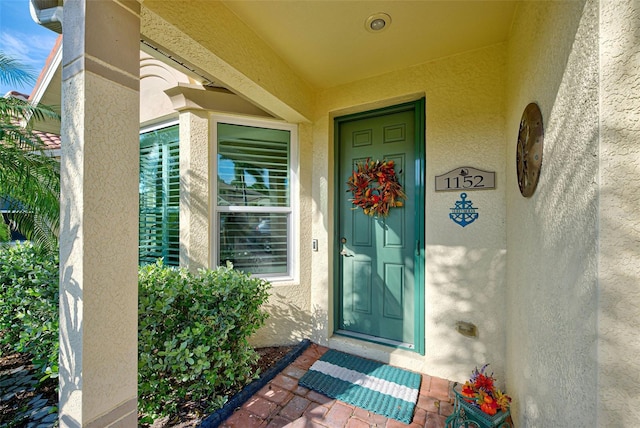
<point x="463" y="213"/>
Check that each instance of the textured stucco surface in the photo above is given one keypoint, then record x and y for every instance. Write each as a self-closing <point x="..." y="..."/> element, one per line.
<point x="464" y="266"/>
<point x="210" y="37"/>
<point x="99" y="226"/>
<point x="110" y="248"/>
<point x="98" y="347"/>
<point x="619" y="297"/>
<point x="195" y="203"/>
<point x="155" y="77"/>
<point x="552" y="236"/>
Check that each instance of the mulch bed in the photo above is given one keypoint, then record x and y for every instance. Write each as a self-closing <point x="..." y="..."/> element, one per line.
<point x="9" y="408"/>
<point x="190" y="412"/>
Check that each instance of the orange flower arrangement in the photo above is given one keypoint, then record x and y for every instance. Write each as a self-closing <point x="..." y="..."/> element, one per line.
<point x="482" y="393"/>
<point x="375" y="187"/>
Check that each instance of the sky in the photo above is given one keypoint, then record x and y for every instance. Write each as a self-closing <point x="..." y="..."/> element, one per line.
<point x="22" y="39"/>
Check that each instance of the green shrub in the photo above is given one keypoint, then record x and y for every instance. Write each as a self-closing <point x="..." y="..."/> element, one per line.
<point x="192" y="335"/>
<point x="29" y="304"/>
<point x="193" y="328"/>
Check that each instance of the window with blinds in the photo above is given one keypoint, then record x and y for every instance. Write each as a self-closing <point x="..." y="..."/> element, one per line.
<point x="159" y="231"/>
<point x="254" y="204"/>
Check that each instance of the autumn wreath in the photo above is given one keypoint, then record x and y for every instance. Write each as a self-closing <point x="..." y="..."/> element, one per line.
<point x="375" y="187"/>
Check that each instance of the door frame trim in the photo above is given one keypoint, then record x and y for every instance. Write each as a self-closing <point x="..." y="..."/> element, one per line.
<point x="418" y="107"/>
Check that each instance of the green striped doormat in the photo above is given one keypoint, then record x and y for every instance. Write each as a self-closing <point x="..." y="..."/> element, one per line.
<point x="377" y="387"/>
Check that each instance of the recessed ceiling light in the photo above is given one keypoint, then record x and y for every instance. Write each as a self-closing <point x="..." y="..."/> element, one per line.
<point x="377" y="22"/>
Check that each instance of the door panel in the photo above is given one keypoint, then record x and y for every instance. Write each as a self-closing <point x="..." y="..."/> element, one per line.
<point x="376" y="282"/>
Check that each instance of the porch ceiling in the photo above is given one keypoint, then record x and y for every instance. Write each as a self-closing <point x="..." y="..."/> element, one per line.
<point x="326" y="43"/>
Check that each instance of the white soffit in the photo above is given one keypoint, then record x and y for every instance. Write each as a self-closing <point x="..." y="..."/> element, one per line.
<point x="327" y="44"/>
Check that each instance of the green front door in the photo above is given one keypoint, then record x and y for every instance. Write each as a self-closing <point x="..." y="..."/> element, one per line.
<point x="380" y="284"/>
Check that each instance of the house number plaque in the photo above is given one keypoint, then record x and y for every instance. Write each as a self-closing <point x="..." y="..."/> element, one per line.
<point x="466" y="178"/>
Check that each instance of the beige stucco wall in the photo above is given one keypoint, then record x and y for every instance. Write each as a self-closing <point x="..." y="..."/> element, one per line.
<point x="155" y="77"/>
<point x="210" y="38"/>
<point x="98" y="217"/>
<point x="195" y="215"/>
<point x="552" y="236"/>
<point x="619" y="224"/>
<point x="464" y="266"/>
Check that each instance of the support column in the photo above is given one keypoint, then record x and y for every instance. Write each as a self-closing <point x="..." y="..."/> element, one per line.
<point x="195" y="215"/>
<point x="99" y="214"/>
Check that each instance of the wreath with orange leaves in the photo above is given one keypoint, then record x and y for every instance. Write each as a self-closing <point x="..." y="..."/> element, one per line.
<point x="375" y="187"/>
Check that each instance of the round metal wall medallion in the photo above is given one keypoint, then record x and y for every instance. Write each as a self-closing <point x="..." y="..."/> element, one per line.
<point x="529" y="150"/>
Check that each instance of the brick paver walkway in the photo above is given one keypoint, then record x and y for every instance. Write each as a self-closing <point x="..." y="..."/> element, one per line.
<point x="283" y="403"/>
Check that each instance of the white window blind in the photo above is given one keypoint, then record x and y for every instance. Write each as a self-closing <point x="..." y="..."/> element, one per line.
<point x="159" y="231"/>
<point x="254" y="212"/>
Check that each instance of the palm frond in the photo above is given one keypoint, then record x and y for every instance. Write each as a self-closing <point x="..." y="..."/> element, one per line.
<point x="36" y="229"/>
<point x="14" y="110"/>
<point x="13" y="72"/>
<point x="5" y="233"/>
<point x="29" y="179"/>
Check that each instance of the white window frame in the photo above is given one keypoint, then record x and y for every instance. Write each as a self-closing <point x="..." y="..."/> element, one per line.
<point x="293" y="238"/>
